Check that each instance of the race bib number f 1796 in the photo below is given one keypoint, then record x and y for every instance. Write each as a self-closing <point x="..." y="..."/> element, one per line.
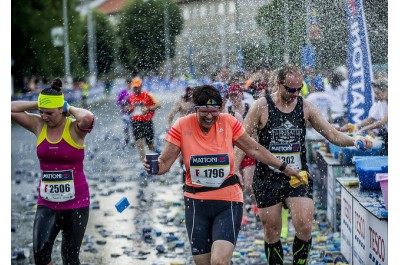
<point x="209" y="170"/>
<point x="57" y="186"/>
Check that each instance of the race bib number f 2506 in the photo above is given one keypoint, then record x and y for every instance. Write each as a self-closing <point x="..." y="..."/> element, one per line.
<point x="57" y="186"/>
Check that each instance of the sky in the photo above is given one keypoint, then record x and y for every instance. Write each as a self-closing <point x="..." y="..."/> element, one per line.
<point x="394" y="110"/>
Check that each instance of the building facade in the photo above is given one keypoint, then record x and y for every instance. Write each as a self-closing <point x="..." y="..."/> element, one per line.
<point x="213" y="32"/>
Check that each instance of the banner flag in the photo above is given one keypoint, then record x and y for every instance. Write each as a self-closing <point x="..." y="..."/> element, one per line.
<point x="359" y="63"/>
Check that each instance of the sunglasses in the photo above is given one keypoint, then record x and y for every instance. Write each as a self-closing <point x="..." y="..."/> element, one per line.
<point x="292" y="89"/>
<point x="204" y="113"/>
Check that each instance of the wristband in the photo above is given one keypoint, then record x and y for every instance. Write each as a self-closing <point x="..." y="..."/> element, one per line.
<point x="283" y="166"/>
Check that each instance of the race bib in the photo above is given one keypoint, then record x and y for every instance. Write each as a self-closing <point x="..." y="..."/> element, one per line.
<point x="57" y="186"/>
<point x="209" y="170"/>
<point x="289" y="153"/>
<point x="137" y="109"/>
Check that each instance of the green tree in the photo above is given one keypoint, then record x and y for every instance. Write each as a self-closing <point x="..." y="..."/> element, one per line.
<point x="255" y="55"/>
<point x="271" y="18"/>
<point x="141" y="30"/>
<point x="105" y="37"/>
<point x="32" y="47"/>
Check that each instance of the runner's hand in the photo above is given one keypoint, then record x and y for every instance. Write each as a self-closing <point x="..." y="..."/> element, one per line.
<point x="291" y="172"/>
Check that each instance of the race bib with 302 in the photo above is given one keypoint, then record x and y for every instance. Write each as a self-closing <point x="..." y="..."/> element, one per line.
<point x="285" y="145"/>
<point x="57" y="186"/>
<point x="209" y="170"/>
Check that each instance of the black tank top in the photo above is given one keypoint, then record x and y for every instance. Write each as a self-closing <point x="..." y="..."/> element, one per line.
<point x="284" y="136"/>
<point x="246" y="109"/>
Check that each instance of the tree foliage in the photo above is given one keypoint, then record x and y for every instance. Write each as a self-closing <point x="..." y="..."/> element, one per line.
<point x="255" y="55"/>
<point x="141" y="30"/>
<point x="271" y="18"/>
<point x="32" y="50"/>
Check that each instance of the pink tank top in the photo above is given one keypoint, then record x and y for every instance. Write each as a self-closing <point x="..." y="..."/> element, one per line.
<point x="63" y="183"/>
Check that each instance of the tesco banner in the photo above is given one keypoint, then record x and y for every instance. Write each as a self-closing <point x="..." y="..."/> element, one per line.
<point x="359" y="63"/>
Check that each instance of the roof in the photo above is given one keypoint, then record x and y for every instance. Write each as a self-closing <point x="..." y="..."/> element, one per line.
<point x="111" y="6"/>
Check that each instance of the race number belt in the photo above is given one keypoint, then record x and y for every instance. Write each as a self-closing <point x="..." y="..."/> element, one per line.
<point x="228" y="182"/>
<point x="57" y="186"/>
<point x="209" y="170"/>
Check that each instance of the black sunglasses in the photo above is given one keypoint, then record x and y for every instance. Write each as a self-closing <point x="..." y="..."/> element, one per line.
<point x="291" y="89"/>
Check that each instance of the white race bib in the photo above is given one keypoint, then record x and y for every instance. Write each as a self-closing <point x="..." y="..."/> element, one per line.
<point x="290" y="153"/>
<point x="137" y="109"/>
<point x="209" y="170"/>
<point x="57" y="186"/>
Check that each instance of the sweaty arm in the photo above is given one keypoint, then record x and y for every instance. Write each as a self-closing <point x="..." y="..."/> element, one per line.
<point x="260" y="153"/>
<point x="175" y="109"/>
<point x="84" y="120"/>
<point x="30" y="121"/>
<point x="377" y="124"/>
<point x="317" y="121"/>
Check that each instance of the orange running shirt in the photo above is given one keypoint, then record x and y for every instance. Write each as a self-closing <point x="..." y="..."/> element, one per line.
<point x="136" y="102"/>
<point x="208" y="158"/>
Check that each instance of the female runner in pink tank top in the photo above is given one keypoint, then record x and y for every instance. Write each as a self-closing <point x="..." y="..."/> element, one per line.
<point x="63" y="199"/>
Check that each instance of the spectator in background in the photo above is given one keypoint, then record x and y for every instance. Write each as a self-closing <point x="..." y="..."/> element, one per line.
<point x="377" y="121"/>
<point x="182" y="107"/>
<point x="223" y="91"/>
<point x="85" y="94"/>
<point x="337" y="90"/>
<point x="223" y="75"/>
<point x="320" y="98"/>
<point x="240" y="78"/>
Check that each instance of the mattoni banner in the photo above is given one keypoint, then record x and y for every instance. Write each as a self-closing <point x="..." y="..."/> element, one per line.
<point x="359" y="63"/>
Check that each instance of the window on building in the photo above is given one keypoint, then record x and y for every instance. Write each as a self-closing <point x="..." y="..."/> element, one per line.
<point x="221" y="9"/>
<point x="195" y="12"/>
<point x="203" y="11"/>
<point x="186" y="13"/>
<point x="212" y="9"/>
<point x="232" y="27"/>
<point x="231" y="7"/>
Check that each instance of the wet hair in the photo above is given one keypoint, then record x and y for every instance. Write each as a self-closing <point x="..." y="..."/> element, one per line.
<point x="187" y="96"/>
<point x="287" y="69"/>
<point x="54" y="89"/>
<point x="336" y="78"/>
<point x="202" y="94"/>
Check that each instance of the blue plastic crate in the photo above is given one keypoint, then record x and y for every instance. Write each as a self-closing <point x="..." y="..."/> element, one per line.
<point x="368" y="167"/>
<point x="349" y="152"/>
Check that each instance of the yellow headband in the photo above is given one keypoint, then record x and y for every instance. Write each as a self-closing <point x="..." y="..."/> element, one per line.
<point x="50" y="101"/>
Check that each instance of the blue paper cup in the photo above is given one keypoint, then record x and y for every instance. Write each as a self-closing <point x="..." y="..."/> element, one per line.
<point x="122" y="204"/>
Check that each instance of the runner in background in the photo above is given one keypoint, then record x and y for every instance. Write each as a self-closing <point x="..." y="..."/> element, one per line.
<point x="123" y="103"/>
<point x="182" y="107"/>
<point x="142" y="108"/>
